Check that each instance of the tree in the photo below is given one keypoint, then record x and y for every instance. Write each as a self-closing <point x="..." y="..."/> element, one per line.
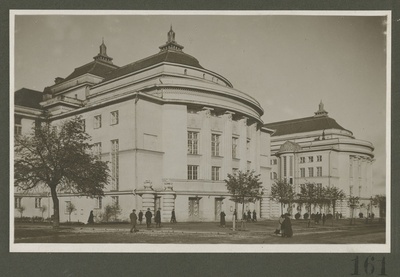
<point x="308" y="195"/>
<point x="111" y="211"/>
<point x="42" y="209"/>
<point x="334" y="194"/>
<point x="21" y="210"/>
<point x="380" y="201"/>
<point x="245" y="187"/>
<point x="353" y="202"/>
<point x="59" y="158"/>
<point x="282" y="192"/>
<point x="70" y="209"/>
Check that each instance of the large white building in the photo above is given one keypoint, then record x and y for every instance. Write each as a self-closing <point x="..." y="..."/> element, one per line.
<point x="171" y="130"/>
<point x="318" y="150"/>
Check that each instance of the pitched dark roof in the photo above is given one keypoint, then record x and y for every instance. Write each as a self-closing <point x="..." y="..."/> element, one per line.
<point x="28" y="98"/>
<point x="177" y="57"/>
<point x="306" y="124"/>
<point x="96" y="67"/>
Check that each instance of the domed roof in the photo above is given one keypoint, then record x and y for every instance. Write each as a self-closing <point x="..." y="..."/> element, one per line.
<point x="289" y="146"/>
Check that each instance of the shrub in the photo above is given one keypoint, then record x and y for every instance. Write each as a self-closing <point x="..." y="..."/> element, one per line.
<point x="297" y="216"/>
<point x="306" y="215"/>
<point x="312" y="216"/>
<point x="361" y="215"/>
<point x="329" y="216"/>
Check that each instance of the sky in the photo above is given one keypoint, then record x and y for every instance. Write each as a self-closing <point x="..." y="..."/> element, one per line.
<point x="288" y="63"/>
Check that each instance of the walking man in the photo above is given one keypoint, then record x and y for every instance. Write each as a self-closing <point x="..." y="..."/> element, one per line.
<point x="148" y="216"/>
<point x="133" y="218"/>
<point x="140" y="216"/>
<point x="157" y="218"/>
<point x="173" y="218"/>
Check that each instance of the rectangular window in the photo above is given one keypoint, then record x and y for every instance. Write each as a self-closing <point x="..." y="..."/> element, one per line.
<point x="193" y="142"/>
<point x="38" y="202"/>
<point x="114" y="118"/>
<point x="17" y="130"/>
<point x="302" y="160"/>
<point x="310" y="159"/>
<point x="235" y="170"/>
<point x="310" y="172"/>
<point x="115" y="200"/>
<point x="215" y="140"/>
<point x="319" y="171"/>
<point x="17" y="202"/>
<point x="82" y="123"/>
<point x="234" y="147"/>
<point x="302" y="172"/>
<point x="274" y="162"/>
<point x="284" y="167"/>
<point x="97" y="121"/>
<point x="290" y="166"/>
<point x="97" y="149"/>
<point x="215" y="173"/>
<point x="99" y="203"/>
<point x="192" y="172"/>
<point x="114" y="164"/>
<point x="319" y="158"/>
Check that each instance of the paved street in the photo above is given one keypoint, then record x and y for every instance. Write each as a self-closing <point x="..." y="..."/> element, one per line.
<point x="341" y="232"/>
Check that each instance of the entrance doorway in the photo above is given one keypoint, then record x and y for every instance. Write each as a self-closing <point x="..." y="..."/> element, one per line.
<point x="218" y="208"/>
<point x="194" y="208"/>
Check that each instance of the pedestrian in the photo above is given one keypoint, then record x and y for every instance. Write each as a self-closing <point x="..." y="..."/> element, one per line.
<point x="91" y="218"/>
<point x="173" y="218"/>
<point x="222" y="219"/>
<point x="287" y="227"/>
<point x="254" y="215"/>
<point x="316" y="218"/>
<point x="140" y="216"/>
<point x="235" y="215"/>
<point x="279" y="230"/>
<point x="133" y="218"/>
<point x="244" y="217"/>
<point x="148" y="216"/>
<point x="248" y="215"/>
<point x="323" y="219"/>
<point x="157" y="218"/>
<point x="340" y="215"/>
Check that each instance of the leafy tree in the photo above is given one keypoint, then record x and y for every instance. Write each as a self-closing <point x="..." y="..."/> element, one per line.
<point x="42" y="209"/>
<point x="380" y="201"/>
<point x="353" y="202"/>
<point x="282" y="192"/>
<point x="308" y="195"/>
<point x="70" y="209"/>
<point x="245" y="187"/>
<point x="334" y="194"/>
<point x="60" y="158"/>
<point x="111" y="211"/>
<point x="21" y="210"/>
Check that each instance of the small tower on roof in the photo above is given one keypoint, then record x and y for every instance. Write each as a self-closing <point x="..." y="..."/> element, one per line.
<point x="102" y="56"/>
<point x="321" y="111"/>
<point x="171" y="44"/>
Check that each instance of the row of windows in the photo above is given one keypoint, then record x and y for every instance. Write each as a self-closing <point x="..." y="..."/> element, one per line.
<point x="114" y="120"/>
<point x="193" y="144"/>
<point x="38" y="202"/>
<point x="310" y="159"/>
<point x="311" y="172"/>
<point x="193" y="172"/>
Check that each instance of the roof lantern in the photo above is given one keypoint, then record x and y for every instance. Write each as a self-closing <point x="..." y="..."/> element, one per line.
<point x="321" y="111"/>
<point x="102" y="56"/>
<point x="171" y="44"/>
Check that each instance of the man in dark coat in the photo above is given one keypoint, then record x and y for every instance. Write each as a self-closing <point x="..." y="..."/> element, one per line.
<point x="133" y="218"/>
<point x="287" y="227"/>
<point x="254" y="215"/>
<point x="157" y="218"/>
<point x="148" y="216"/>
<point x="91" y="218"/>
<point x="222" y="219"/>
<point x="173" y="218"/>
<point x="248" y="215"/>
<point x="140" y="216"/>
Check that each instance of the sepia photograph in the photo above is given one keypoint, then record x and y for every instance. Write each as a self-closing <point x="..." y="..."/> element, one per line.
<point x="200" y="131"/>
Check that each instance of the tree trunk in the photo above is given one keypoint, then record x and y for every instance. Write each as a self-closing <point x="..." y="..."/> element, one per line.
<point x="56" y="204"/>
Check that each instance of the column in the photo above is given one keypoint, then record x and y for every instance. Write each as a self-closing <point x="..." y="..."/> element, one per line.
<point x="169" y="196"/>
<point x="242" y="143"/>
<point x="205" y="144"/>
<point x="148" y="196"/>
<point x="227" y="145"/>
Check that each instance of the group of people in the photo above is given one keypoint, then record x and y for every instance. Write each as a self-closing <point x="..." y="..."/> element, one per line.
<point x="148" y="215"/>
<point x="246" y="217"/>
<point x="285" y="226"/>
